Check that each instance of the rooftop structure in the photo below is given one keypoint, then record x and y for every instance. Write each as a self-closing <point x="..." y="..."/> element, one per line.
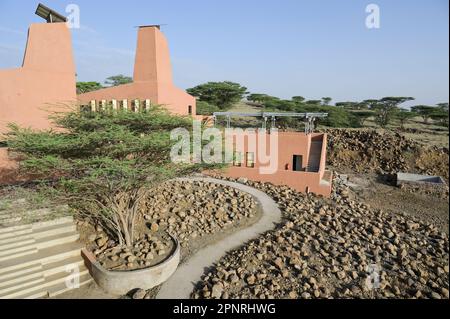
<point x="152" y="78"/>
<point x="309" y="118"/>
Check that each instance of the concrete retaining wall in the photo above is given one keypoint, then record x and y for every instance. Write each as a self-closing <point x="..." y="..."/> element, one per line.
<point x="121" y="282"/>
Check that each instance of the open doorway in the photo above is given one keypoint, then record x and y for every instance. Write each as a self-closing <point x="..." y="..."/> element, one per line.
<point x="297" y="162"/>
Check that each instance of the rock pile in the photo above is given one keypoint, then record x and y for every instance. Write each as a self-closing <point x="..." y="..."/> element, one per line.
<point x="335" y="248"/>
<point x="148" y="251"/>
<point x="189" y="210"/>
<point x="365" y="150"/>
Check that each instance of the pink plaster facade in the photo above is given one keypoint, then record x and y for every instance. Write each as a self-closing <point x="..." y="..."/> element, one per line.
<point x="311" y="176"/>
<point x="44" y="83"/>
<point x="152" y="78"/>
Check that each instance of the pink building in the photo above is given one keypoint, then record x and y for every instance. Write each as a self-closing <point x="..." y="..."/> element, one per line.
<point x="44" y="83"/>
<point x="152" y="77"/>
<point x="301" y="163"/>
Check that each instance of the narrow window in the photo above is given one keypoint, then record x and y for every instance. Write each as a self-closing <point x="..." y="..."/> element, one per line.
<point x="237" y="159"/>
<point x="297" y="162"/>
<point x="190" y="109"/>
<point x="250" y="159"/>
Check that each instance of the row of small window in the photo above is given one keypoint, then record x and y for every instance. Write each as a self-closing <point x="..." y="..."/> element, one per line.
<point x="249" y="159"/>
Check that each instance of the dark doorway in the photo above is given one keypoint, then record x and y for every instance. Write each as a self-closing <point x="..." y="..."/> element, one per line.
<point x="297" y="162"/>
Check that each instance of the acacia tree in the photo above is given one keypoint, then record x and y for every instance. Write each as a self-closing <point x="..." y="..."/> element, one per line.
<point x="116" y="80"/>
<point x="404" y="115"/>
<point x="84" y="87"/>
<point x="222" y="94"/>
<point x="326" y="100"/>
<point x="425" y="111"/>
<point x="387" y="107"/>
<point x="298" y="99"/>
<point x="104" y="163"/>
<point x="261" y="98"/>
<point x="362" y="116"/>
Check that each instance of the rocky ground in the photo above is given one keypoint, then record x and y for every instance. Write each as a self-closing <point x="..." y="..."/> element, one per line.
<point x="365" y="151"/>
<point x="195" y="213"/>
<point x="338" y="248"/>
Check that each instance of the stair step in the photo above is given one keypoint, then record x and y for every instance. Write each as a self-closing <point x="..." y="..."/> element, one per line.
<point x="39" y="233"/>
<point x="12" y="256"/>
<point x="24" y="229"/>
<point x="44" y="256"/>
<point x="64" y="265"/>
<point x="13" y="244"/>
<point x="42" y="243"/>
<point x="33" y="289"/>
<point x="20" y="272"/>
<point x="4" y="291"/>
<point x="56" y="289"/>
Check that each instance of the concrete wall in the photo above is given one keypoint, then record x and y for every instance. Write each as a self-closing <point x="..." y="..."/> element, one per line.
<point x="44" y="83"/>
<point x="289" y="144"/>
<point x="152" y="77"/>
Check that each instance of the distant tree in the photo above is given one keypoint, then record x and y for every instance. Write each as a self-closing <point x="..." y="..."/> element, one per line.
<point x="362" y="116"/>
<point x="403" y="115"/>
<point x="223" y="94"/>
<point x="116" y="80"/>
<point x="84" y="87"/>
<point x="260" y="98"/>
<point x="370" y="103"/>
<point x="204" y="108"/>
<point x="314" y="102"/>
<point x="443" y="106"/>
<point x="348" y="105"/>
<point x="282" y="105"/>
<point x="298" y="99"/>
<point x="441" y="116"/>
<point x="387" y="107"/>
<point x="326" y="100"/>
<point x="424" y="111"/>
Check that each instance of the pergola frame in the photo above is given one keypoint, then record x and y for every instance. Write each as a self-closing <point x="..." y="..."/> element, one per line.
<point x="309" y="118"/>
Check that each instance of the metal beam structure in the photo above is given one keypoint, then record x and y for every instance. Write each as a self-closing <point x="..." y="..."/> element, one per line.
<point x="51" y="16"/>
<point x="310" y="118"/>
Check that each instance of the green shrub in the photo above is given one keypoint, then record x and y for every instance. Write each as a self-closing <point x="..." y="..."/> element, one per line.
<point x="204" y="108"/>
<point x="104" y="161"/>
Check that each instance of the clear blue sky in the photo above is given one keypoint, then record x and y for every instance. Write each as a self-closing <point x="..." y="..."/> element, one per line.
<point x="313" y="48"/>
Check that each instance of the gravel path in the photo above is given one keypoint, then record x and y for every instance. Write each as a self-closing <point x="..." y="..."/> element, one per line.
<point x="181" y="283"/>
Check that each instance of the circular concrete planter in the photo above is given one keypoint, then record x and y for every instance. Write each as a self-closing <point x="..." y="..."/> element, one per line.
<point x="121" y="282"/>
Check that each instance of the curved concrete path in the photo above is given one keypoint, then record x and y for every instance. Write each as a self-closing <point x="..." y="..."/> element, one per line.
<point x="182" y="282"/>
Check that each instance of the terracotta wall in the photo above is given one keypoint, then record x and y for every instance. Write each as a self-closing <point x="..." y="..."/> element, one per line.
<point x="152" y="77"/>
<point x="45" y="82"/>
<point x="289" y="144"/>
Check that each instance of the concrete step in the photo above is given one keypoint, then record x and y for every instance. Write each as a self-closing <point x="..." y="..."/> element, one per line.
<point x="10" y="217"/>
<point x="56" y="289"/>
<point x="44" y="256"/>
<point x="19" y="254"/>
<point x="24" y="229"/>
<point x="37" y="233"/>
<point x="40" y="244"/>
<point x="64" y="265"/>
<point x="34" y="289"/>
<point x="20" y="272"/>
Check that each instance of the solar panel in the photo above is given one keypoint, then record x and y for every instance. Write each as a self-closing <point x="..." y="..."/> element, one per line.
<point x="49" y="15"/>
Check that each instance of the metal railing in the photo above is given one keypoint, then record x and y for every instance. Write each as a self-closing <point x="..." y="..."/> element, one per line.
<point x="310" y="118"/>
